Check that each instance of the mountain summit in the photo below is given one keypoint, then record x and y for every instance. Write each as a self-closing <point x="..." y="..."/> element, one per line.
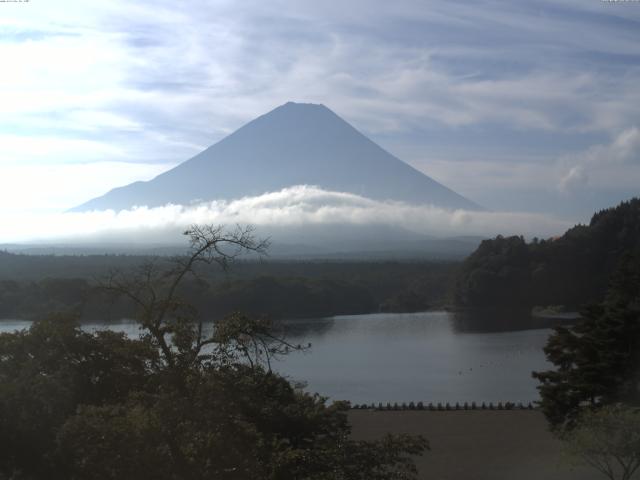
<point x="295" y="144"/>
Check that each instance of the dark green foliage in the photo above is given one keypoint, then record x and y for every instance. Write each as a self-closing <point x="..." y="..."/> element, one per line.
<point x="35" y="299"/>
<point x="46" y="373"/>
<point x="496" y="272"/>
<point x="571" y="270"/>
<point x="291" y="297"/>
<point x="276" y="289"/>
<point x="597" y="360"/>
<point x="99" y="406"/>
<point x="181" y="402"/>
<point x="388" y="458"/>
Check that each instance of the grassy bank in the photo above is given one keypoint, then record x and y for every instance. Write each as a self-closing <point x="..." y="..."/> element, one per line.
<point x="478" y="445"/>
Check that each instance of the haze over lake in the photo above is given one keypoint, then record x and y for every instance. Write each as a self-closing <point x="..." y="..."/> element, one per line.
<point x="394" y="357"/>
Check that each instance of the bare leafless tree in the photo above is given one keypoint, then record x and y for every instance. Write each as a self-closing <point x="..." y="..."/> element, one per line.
<point x="174" y="325"/>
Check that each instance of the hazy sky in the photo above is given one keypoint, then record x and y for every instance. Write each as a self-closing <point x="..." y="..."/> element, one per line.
<point x="521" y="106"/>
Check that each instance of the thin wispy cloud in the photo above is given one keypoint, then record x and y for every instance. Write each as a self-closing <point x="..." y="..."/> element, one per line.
<point x="613" y="163"/>
<point x="460" y="84"/>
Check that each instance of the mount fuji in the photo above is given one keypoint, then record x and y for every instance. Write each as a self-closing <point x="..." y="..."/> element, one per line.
<point x="294" y="144"/>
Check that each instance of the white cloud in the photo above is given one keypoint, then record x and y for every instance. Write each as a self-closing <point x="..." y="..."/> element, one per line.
<point x="575" y="178"/>
<point x="296" y="206"/>
<point x="616" y="164"/>
<point x="150" y="82"/>
<point x="220" y="64"/>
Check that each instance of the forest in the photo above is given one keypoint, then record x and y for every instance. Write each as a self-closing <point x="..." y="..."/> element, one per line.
<point x="569" y="271"/>
<point x="31" y="286"/>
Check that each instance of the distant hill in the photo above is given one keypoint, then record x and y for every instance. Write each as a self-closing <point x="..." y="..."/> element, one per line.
<point x="295" y="144"/>
<point x="571" y="270"/>
<point x="323" y="241"/>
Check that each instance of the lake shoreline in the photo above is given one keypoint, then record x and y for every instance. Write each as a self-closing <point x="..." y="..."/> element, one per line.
<point x="412" y="357"/>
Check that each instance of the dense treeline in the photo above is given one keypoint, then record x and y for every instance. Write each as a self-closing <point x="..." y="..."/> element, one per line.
<point x="276" y="289"/>
<point x="571" y="270"/>
<point x="22" y="267"/>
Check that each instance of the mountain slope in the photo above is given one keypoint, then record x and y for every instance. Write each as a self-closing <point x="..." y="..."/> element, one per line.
<point x="295" y="144"/>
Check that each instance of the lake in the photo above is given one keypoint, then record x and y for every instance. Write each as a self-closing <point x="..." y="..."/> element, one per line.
<point x="413" y="357"/>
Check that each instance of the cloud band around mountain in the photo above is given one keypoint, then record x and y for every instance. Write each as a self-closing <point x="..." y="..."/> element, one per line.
<point x="290" y="207"/>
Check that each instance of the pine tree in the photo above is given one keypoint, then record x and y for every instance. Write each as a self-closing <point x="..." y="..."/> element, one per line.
<point x="597" y="360"/>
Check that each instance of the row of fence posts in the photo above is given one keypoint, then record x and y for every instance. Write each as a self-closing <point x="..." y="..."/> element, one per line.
<point x="444" y="407"/>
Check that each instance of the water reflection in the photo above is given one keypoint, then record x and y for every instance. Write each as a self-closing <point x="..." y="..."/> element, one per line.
<point x="416" y="357"/>
<point x="429" y="357"/>
<point x="316" y="327"/>
<point x="485" y="320"/>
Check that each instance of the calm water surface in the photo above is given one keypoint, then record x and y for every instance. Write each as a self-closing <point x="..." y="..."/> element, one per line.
<point x="402" y="358"/>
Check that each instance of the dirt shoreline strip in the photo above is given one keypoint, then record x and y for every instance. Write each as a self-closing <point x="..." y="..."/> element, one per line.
<point x="477" y="444"/>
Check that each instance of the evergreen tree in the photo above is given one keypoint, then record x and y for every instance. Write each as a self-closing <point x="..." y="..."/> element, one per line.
<point x="597" y="360"/>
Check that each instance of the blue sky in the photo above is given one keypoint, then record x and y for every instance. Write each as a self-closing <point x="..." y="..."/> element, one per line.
<point x="521" y="106"/>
